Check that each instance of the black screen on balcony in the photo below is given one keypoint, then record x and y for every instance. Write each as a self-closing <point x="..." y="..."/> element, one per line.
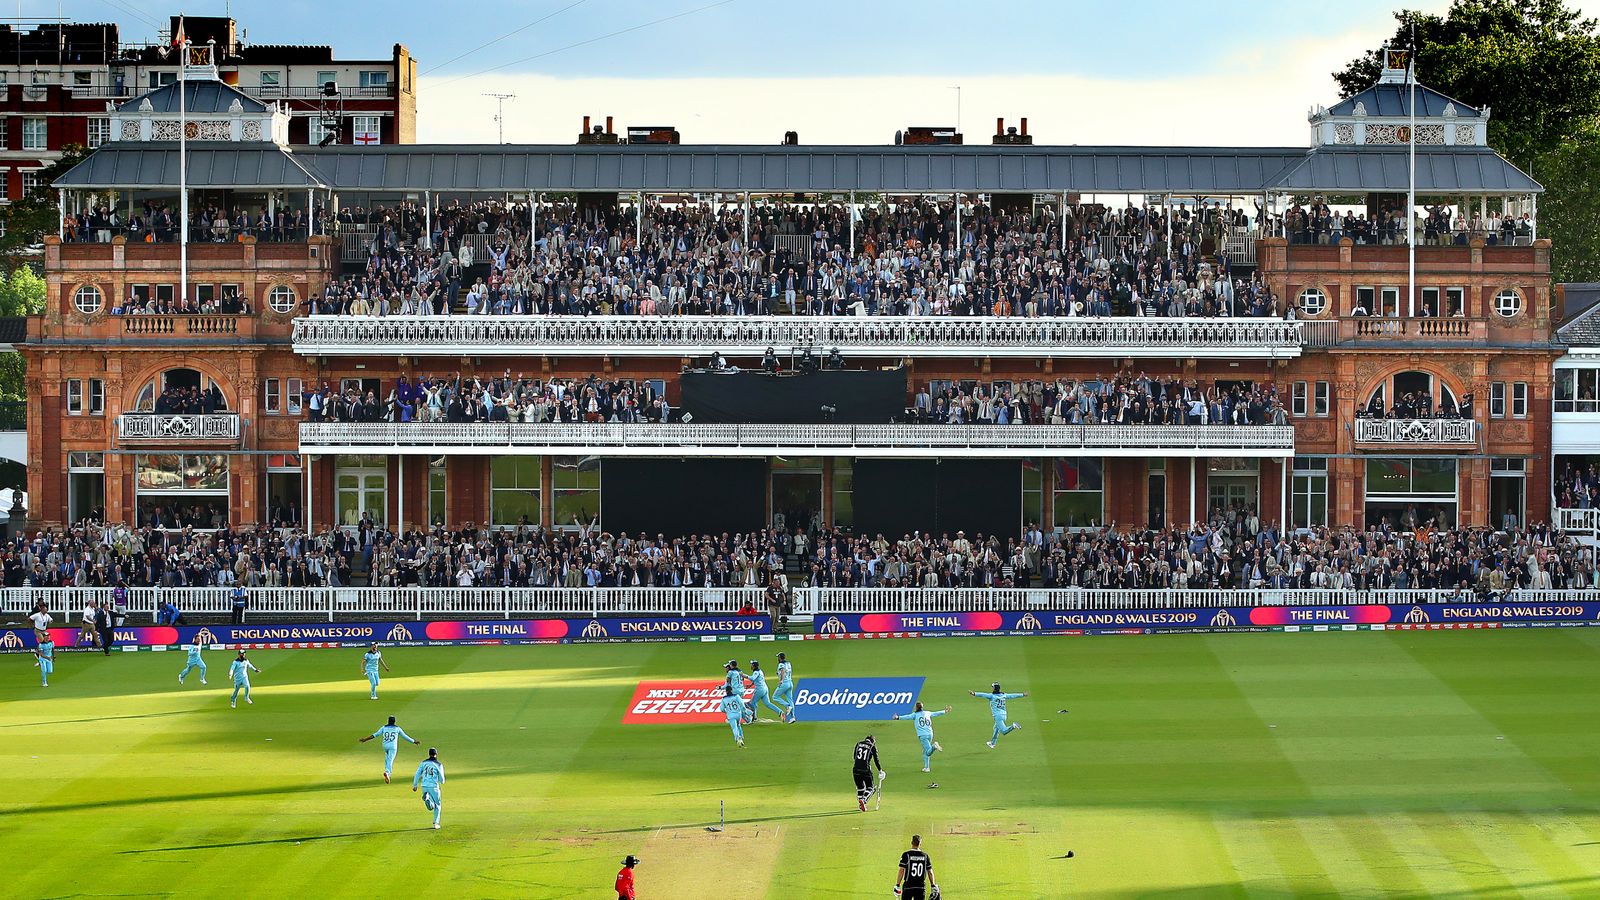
<point x="682" y="496"/>
<point x="898" y="496"/>
<point x="856" y="397"/>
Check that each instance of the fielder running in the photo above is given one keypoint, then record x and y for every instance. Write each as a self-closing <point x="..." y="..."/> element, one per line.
<point x="370" y="661"/>
<point x="240" y="669"/>
<point x="785" y="693"/>
<point x="997" y="708"/>
<point x="194" y="662"/>
<point x="758" y="681"/>
<point x="923" y="721"/>
<point x="45" y="655"/>
<point x="733" y="709"/>
<point x="389" y="735"/>
<point x="430" y="774"/>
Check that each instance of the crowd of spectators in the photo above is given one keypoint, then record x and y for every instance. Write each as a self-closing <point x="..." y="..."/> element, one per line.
<point x="503" y="398"/>
<point x="1417" y="405"/>
<point x="209" y="223"/>
<point x="1231" y="551"/>
<point x="1318" y="223"/>
<point x="909" y="258"/>
<point x="1122" y="399"/>
<point x="1577" y="485"/>
<point x="189" y="400"/>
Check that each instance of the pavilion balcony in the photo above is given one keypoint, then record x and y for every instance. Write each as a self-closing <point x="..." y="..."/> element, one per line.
<point x="1415" y="432"/>
<point x="994" y="441"/>
<point x="177" y="429"/>
<point x="679" y="336"/>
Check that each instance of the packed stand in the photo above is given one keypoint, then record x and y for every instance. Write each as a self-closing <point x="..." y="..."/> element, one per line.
<point x="911" y="259"/>
<point x="1232" y="551"/>
<point x="160" y="222"/>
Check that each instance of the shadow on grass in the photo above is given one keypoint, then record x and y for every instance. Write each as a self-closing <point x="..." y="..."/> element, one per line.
<point x="1562" y="886"/>
<point x="158" y="715"/>
<point x="303" y="839"/>
<point x="737" y="787"/>
<point x="752" y="821"/>
<point x="123" y="802"/>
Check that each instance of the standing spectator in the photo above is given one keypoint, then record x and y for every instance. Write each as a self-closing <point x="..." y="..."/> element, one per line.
<point x="86" y="630"/>
<point x="625" y="878"/>
<point x="774" y="599"/>
<point x="105" y="623"/>
<point x="241" y="600"/>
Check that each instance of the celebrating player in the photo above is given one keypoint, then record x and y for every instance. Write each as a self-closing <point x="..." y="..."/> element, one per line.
<point x="916" y="873"/>
<point x="45" y="655"/>
<point x="997" y="708"/>
<point x="758" y="681"/>
<point x="785" y="693"/>
<point x="389" y="735"/>
<point x="924" y="724"/>
<point x="240" y="669"/>
<point x="735" y="680"/>
<point x="194" y="662"/>
<point x="430" y="774"/>
<point x="733" y="709"/>
<point x="370" y="661"/>
<point x="864" y="760"/>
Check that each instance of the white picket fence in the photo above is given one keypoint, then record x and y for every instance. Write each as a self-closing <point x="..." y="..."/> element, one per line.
<point x="504" y="603"/>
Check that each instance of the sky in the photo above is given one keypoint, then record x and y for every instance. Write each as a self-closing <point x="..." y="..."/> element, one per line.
<point x="1241" y="72"/>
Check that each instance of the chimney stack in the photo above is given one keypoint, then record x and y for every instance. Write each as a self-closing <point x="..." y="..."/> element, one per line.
<point x="1024" y="126"/>
<point x="609" y="129"/>
<point x="999" y="125"/>
<point x="585" y="125"/>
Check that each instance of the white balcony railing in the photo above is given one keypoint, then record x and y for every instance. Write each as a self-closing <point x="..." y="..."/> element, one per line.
<point x="763" y="440"/>
<point x="751" y="335"/>
<point x="184" y="427"/>
<point x="1414" y="431"/>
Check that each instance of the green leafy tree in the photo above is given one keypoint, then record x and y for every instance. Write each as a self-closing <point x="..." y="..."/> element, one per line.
<point x="1536" y="65"/>
<point x="28" y="219"/>
<point x="21" y="294"/>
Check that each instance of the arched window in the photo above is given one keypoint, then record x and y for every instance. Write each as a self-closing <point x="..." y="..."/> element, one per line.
<point x="1412" y="395"/>
<point x="181" y="390"/>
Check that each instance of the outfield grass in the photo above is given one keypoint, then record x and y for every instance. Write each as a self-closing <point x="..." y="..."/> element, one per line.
<point x="1404" y="764"/>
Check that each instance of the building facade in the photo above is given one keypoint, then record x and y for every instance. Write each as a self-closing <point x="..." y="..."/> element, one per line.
<point x="1466" y="327"/>
<point x="59" y="81"/>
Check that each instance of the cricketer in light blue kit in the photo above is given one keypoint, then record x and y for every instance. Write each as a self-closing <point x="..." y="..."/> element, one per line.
<point x="370" y="661"/>
<point x="390" y="736"/>
<point x="923" y="721"/>
<point x="194" y="662"/>
<point x="46" y="654"/>
<point x="997" y="708"/>
<point x="240" y="669"/>
<point x="758" y="681"/>
<point x="784" y="695"/>
<point x="733" y="709"/>
<point x="430" y="774"/>
<point x="735" y="685"/>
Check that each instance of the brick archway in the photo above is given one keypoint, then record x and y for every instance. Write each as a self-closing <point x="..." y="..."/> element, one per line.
<point x="132" y="386"/>
<point x="1386" y="374"/>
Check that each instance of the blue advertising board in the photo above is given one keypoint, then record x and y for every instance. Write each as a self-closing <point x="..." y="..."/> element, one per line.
<point x="854" y="699"/>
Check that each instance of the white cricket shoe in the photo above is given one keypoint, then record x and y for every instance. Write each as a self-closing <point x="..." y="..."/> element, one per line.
<point x="234" y="704"/>
<point x="926" y="769"/>
<point x="937" y="748"/>
<point x="990" y="743"/>
<point x="436" y="826"/>
<point x="180" y="679"/>
<point x="249" y="701"/>
<point x="203" y="681"/>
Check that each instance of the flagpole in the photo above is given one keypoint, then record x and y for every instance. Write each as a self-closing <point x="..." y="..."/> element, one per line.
<point x="1411" y="186"/>
<point x="183" y="174"/>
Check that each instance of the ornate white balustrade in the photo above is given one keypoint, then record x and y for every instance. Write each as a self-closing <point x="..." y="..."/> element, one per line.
<point x="158" y="427"/>
<point x="751" y="335"/>
<point x="1415" y="431"/>
<point x="415" y="438"/>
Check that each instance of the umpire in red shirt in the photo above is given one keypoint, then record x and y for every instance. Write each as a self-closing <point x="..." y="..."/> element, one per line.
<point x="625" y="878"/>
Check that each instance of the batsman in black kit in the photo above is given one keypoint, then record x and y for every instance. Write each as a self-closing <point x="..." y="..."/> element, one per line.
<point x="864" y="761"/>
<point x="915" y="878"/>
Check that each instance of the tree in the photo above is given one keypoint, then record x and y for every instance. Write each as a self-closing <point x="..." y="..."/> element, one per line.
<point x="26" y="221"/>
<point x="1536" y="65"/>
<point x="22" y="294"/>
